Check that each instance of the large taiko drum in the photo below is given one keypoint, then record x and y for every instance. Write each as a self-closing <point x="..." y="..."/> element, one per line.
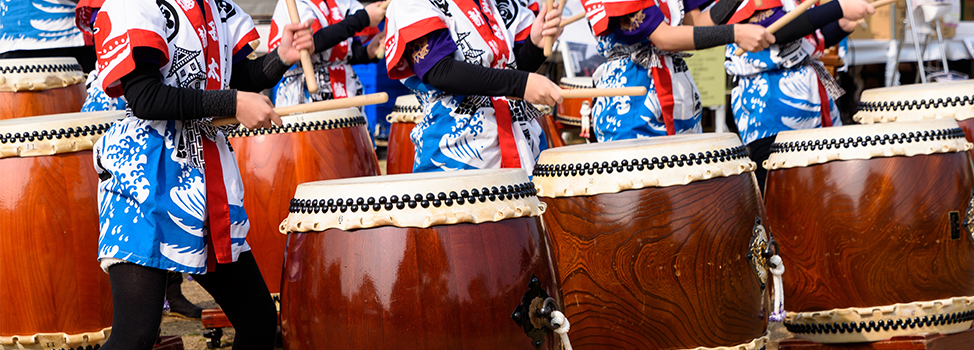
<point x="416" y="261"/>
<point x="874" y="223"/>
<point x="307" y="147"/>
<point x="951" y="100"/>
<point x="53" y="293"/>
<point x="400" y="154"/>
<point x="651" y="242"/>
<point x="40" y="86"/>
<point x="569" y="111"/>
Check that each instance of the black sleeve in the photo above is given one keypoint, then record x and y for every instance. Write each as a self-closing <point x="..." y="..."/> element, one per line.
<point x="150" y="99"/>
<point x="808" y="22"/>
<point x="721" y="12"/>
<point x="833" y="33"/>
<point x="360" y="54"/>
<point x="458" y="78"/>
<point x="259" y="74"/>
<point x="528" y="56"/>
<point x="327" y="37"/>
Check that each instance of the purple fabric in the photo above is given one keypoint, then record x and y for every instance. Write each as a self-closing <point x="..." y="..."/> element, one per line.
<point x="776" y="13"/>
<point x="691" y="5"/>
<point x="639" y="31"/>
<point x="438" y="45"/>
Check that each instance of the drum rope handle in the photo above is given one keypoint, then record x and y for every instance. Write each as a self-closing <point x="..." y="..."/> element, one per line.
<point x="778" y="304"/>
<point x="561" y="326"/>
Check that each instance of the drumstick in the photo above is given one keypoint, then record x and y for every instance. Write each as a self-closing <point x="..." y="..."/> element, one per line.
<point x="309" y="72"/>
<point x="589" y="93"/>
<point x="877" y="4"/>
<point x="384" y="5"/>
<point x="787" y="18"/>
<point x="572" y="19"/>
<point x="549" y="40"/>
<point x="327" y="105"/>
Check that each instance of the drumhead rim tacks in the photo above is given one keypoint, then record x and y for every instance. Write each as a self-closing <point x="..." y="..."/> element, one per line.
<point x="42" y="341"/>
<point x="38" y="74"/>
<point x="615" y="166"/>
<point x="801" y="148"/>
<point x="865" y="324"/>
<point x="917" y="102"/>
<point x="465" y="196"/>
<point x="406" y="110"/>
<point x="326" y="120"/>
<point x="52" y="134"/>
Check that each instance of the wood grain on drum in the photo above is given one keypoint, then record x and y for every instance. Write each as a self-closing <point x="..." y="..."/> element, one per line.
<point x="551" y="131"/>
<point x="659" y="268"/>
<point x="443" y="287"/>
<point x="50" y="280"/>
<point x="273" y="165"/>
<point x="68" y="99"/>
<point x="401" y="153"/>
<point x="861" y="233"/>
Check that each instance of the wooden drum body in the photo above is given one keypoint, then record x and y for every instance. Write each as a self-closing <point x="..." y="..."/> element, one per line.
<point x="53" y="293"/>
<point x="569" y="111"/>
<point x="308" y="147"/>
<point x="438" y="273"/>
<point x="874" y="223"/>
<point x="40" y="86"/>
<point x="405" y="115"/>
<point x="951" y="100"/>
<point x="651" y="242"/>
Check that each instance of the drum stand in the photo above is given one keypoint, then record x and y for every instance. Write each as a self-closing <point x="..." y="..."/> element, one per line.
<point x="920" y="51"/>
<point x="929" y="341"/>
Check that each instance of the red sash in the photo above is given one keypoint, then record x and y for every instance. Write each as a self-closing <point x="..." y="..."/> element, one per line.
<point x="664" y="92"/>
<point x="336" y="73"/>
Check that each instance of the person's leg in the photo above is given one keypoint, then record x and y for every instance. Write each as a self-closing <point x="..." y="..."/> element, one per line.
<point x="240" y="290"/>
<point x="760" y="150"/>
<point x="137" y="294"/>
<point x="178" y="304"/>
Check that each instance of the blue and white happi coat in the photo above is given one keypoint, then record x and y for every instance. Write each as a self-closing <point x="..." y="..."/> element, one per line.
<point x="777" y="90"/>
<point x="38" y="24"/>
<point x="153" y="197"/>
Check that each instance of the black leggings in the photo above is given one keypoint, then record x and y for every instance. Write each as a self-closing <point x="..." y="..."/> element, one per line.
<point x="138" y="292"/>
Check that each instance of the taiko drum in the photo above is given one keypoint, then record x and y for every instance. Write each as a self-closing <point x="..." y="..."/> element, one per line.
<point x="406" y="113"/>
<point x="874" y="223"/>
<point x="40" y="86"/>
<point x="53" y="294"/>
<point x="569" y="111"/>
<point x="651" y="242"/>
<point x="416" y="261"/>
<point x="307" y="147"/>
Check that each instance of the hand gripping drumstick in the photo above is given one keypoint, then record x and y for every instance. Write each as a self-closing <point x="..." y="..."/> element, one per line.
<point x="309" y="72"/>
<point x="572" y="19"/>
<point x="787" y="18"/>
<point x="355" y="101"/>
<point x="380" y="53"/>
<point x="877" y="4"/>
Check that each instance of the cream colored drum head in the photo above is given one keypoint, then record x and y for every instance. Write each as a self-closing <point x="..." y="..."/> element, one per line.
<point x="336" y="119"/>
<point x="412" y="200"/>
<point x="53" y="134"/>
<point x="406" y="110"/>
<point x="610" y="167"/>
<point x="799" y="148"/>
<point x="917" y="102"/>
<point x="577" y="83"/>
<point x="38" y="74"/>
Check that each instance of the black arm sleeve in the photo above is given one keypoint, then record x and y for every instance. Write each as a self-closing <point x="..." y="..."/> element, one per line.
<point x="463" y="78"/>
<point x="528" y="56"/>
<point x="712" y="36"/>
<point x="360" y="53"/>
<point x="833" y="33"/>
<point x="259" y="74"/>
<point x="808" y="22"/>
<point x="721" y="12"/>
<point x="150" y="99"/>
<point x="327" y="37"/>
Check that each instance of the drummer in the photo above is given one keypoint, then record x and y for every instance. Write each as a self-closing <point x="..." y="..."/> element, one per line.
<point x="785" y="87"/>
<point x="336" y="23"/>
<point x="464" y="59"/>
<point x="170" y="194"/>
<point x="640" y="39"/>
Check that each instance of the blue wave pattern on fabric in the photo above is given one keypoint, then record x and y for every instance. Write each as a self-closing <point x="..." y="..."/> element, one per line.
<point x="630" y="117"/>
<point x="774" y="93"/>
<point x="38" y="24"/>
<point x="97" y="100"/>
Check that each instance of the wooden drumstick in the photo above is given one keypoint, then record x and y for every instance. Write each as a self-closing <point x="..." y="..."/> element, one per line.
<point x="309" y="72"/>
<point x="327" y="105"/>
<point x="787" y="18"/>
<point x="549" y="40"/>
<point x="589" y="93"/>
<point x="572" y="19"/>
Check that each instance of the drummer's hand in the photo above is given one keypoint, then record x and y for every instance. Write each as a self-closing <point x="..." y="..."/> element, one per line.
<point x="847" y="25"/>
<point x="376" y="44"/>
<point x="255" y="111"/>
<point x="296" y="37"/>
<point x="376" y="13"/>
<point x="540" y="90"/>
<point x="546" y="23"/>
<point x="752" y="37"/>
<point x="855" y="10"/>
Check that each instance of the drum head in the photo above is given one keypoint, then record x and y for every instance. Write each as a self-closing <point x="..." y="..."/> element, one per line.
<point x="610" y="167"/>
<point x="52" y="134"/>
<point x="412" y="200"/>
<point x="406" y="110"/>
<point x="577" y="83"/>
<point x="917" y="102"/>
<point x="336" y="119"/>
<point x="799" y="148"/>
<point x="38" y="74"/>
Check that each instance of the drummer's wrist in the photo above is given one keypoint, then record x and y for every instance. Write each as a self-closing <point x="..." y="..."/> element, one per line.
<point x="219" y="103"/>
